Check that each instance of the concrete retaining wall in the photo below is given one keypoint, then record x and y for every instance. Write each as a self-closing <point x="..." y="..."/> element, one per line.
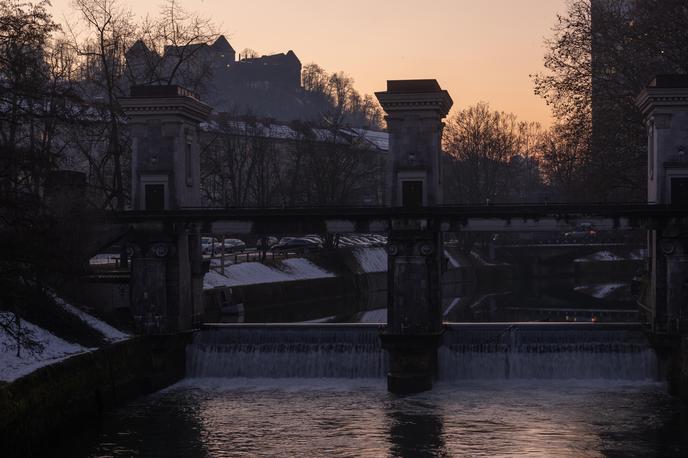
<point x="48" y="405"/>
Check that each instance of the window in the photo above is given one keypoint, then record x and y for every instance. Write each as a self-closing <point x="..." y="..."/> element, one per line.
<point x="679" y="191"/>
<point x="412" y="193"/>
<point x="155" y="197"/>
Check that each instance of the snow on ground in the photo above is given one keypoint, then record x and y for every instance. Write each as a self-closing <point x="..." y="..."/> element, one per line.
<point x="104" y="259"/>
<point x="321" y="320"/>
<point x="456" y="301"/>
<point x="109" y="333"/>
<point x="638" y="255"/>
<point x="600" y="256"/>
<point x="254" y="273"/>
<point x="374" y="316"/>
<point x="600" y="291"/>
<point x="609" y="256"/>
<point x="371" y="259"/>
<point x="54" y="350"/>
<point x="452" y="261"/>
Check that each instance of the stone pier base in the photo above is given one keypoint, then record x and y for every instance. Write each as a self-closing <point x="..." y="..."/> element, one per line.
<point x="681" y="370"/>
<point x="412" y="361"/>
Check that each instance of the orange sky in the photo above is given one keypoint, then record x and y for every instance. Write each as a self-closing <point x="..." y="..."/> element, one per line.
<point x="480" y="50"/>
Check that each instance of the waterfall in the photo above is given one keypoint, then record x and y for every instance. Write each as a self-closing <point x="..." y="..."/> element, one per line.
<point x="287" y="351"/>
<point x="468" y="351"/>
<point x="546" y="351"/>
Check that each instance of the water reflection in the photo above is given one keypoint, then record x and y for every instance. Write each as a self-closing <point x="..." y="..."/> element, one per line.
<point x="260" y="417"/>
<point x="161" y="425"/>
<point x="415" y="429"/>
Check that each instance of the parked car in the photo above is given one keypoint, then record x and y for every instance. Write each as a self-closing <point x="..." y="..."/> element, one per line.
<point x="209" y="245"/>
<point x="584" y="231"/>
<point x="269" y="242"/>
<point x="233" y="245"/>
<point x="299" y="245"/>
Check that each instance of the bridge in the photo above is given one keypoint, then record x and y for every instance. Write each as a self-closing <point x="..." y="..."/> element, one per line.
<point x="465" y="218"/>
<point x="166" y="222"/>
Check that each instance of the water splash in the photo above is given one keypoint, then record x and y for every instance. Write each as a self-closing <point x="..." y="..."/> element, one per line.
<point x="468" y="352"/>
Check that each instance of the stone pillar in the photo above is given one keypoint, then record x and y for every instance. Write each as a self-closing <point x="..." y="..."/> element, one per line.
<point x="665" y="106"/>
<point x="166" y="277"/>
<point x="664" y="103"/>
<point x="415" y="109"/>
<point x="163" y="123"/>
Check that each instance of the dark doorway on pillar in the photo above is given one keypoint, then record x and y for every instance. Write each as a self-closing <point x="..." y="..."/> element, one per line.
<point x="155" y="197"/>
<point x="412" y="193"/>
<point x="679" y="191"/>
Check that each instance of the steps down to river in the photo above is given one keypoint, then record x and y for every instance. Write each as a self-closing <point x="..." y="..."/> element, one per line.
<point x="468" y="351"/>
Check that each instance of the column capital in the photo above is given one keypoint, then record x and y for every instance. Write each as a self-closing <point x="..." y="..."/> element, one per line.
<point x="666" y="93"/>
<point x="415" y="96"/>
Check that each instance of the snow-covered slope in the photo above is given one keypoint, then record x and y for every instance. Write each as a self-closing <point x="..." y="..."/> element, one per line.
<point x="254" y="273"/>
<point x="47" y="348"/>
<point x="109" y="333"/>
<point x="371" y="260"/>
<point x="53" y="350"/>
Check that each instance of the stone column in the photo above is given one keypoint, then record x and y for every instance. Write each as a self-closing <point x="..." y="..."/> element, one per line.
<point x="415" y="109"/>
<point x="665" y="106"/>
<point x="166" y="277"/>
<point x="664" y="103"/>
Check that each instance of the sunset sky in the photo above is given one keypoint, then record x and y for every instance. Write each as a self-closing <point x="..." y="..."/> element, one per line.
<point x="480" y="50"/>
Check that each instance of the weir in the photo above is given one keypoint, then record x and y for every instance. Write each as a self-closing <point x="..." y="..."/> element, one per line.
<point x="166" y="282"/>
<point x="467" y="351"/>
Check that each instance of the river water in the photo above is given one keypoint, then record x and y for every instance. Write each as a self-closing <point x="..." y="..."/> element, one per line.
<point x="334" y="417"/>
<point x="503" y="390"/>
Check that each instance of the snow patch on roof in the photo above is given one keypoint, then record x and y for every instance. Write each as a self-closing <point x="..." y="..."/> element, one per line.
<point x="378" y="139"/>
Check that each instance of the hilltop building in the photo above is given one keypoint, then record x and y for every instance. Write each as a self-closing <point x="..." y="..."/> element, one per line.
<point x="269" y="85"/>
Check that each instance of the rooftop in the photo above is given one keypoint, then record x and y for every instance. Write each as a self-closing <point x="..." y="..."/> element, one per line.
<point x="172" y="90"/>
<point x="412" y="86"/>
<point x="670" y="81"/>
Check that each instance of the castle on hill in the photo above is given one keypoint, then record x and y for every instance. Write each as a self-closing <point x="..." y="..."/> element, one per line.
<point x="268" y="85"/>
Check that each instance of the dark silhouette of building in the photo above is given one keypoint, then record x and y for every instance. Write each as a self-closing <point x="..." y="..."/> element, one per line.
<point x="264" y="85"/>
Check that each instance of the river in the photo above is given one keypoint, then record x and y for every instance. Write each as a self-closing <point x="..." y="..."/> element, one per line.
<point x="334" y="417"/>
<point x="543" y="389"/>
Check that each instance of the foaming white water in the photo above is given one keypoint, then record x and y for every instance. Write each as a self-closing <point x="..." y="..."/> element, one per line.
<point x="558" y="364"/>
<point x="287" y="352"/>
<point x="492" y="352"/>
<point x="470" y="352"/>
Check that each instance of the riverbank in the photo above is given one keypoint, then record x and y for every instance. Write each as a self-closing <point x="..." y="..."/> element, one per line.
<point x="46" y="407"/>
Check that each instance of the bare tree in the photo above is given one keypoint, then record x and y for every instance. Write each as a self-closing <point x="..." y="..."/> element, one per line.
<point x="599" y="57"/>
<point x="249" y="53"/>
<point x="110" y="32"/>
<point x="337" y="101"/>
<point x="181" y="38"/>
<point x="564" y="156"/>
<point x="37" y="105"/>
<point x="480" y="143"/>
<point x="240" y="164"/>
